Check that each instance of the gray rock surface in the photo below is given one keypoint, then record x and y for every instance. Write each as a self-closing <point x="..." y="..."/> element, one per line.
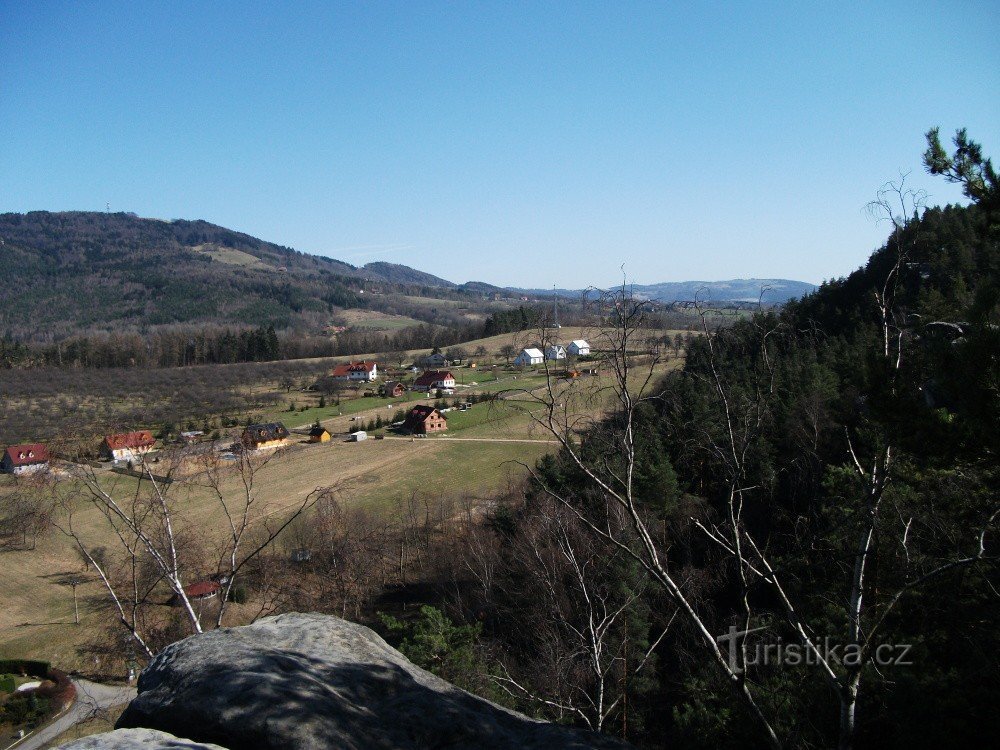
<point x="136" y="739"/>
<point x="315" y="681"/>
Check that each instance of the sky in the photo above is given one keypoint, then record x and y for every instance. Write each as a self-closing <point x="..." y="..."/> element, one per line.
<point x="527" y="144"/>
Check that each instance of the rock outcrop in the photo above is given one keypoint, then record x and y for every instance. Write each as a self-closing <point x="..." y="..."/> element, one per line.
<point x="314" y="681"/>
<point x="136" y="739"/>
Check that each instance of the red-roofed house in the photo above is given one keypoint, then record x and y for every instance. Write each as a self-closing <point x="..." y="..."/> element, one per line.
<point x="128" y="446"/>
<point x="423" y="419"/>
<point x="23" y="459"/>
<point x="364" y="371"/>
<point x="198" y="591"/>
<point x="434" y="379"/>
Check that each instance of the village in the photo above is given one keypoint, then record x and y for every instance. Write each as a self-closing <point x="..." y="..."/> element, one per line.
<point x="426" y="379"/>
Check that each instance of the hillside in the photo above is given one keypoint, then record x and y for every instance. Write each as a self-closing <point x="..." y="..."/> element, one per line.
<point x="75" y="271"/>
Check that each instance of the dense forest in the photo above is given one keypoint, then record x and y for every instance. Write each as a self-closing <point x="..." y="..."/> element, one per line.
<point x="791" y="542"/>
<point x="72" y="272"/>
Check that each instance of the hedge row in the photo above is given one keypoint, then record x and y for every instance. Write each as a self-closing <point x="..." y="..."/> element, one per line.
<point x="25" y="667"/>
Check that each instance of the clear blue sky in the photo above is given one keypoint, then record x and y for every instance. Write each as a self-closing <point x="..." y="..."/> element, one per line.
<point x="519" y="143"/>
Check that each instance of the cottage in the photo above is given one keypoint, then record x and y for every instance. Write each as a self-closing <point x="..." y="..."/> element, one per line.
<point x="24" y="459"/>
<point x="319" y="434"/>
<point x="258" y="437"/>
<point x="556" y="351"/>
<point x="423" y="419"/>
<point x="579" y="348"/>
<point x="433" y="379"/>
<point x="393" y="389"/>
<point x="529" y="357"/>
<point x="128" y="446"/>
<point x="363" y="371"/>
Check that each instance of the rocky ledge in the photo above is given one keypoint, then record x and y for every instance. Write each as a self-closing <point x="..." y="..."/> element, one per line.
<point x="313" y="681"/>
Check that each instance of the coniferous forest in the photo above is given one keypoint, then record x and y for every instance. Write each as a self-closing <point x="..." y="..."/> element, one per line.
<point x="817" y="485"/>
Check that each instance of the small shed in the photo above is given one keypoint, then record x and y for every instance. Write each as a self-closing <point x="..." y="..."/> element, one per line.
<point x="357" y="437"/>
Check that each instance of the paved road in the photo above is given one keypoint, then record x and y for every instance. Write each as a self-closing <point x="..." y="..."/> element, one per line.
<point x="91" y="697"/>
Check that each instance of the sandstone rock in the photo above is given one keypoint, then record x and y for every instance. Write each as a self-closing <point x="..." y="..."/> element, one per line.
<point x="136" y="739"/>
<point x="315" y="681"/>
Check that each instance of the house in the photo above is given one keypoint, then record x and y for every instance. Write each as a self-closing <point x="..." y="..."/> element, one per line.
<point x="128" y="446"/>
<point x="434" y="360"/>
<point x="579" y="348"/>
<point x="556" y="351"/>
<point x="434" y="379"/>
<point x="393" y="389"/>
<point x="363" y="371"/>
<point x="423" y="419"/>
<point x="319" y="434"/>
<point x="24" y="459"/>
<point x="529" y="357"/>
<point x="258" y="437"/>
<point x="199" y="591"/>
<point x="191" y="436"/>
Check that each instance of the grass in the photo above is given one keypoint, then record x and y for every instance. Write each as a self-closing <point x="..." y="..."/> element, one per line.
<point x="230" y="256"/>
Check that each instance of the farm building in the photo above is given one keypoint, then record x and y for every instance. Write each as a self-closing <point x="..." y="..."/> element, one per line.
<point x="24" y="459"/>
<point x="556" y="351"/>
<point x="358" y="436"/>
<point x="319" y="434"/>
<point x="434" y="379"/>
<point x="263" y="436"/>
<point x="529" y="357"/>
<point x="128" y="446"/>
<point x="579" y="348"/>
<point x="393" y="389"/>
<point x="363" y="371"/>
<point x="423" y="419"/>
<point x="434" y="360"/>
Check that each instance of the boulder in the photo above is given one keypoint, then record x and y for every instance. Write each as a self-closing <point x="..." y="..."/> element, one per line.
<point x="136" y="739"/>
<point x="316" y="681"/>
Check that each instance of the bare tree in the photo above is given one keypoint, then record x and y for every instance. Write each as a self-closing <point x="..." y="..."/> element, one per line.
<point x="156" y="542"/>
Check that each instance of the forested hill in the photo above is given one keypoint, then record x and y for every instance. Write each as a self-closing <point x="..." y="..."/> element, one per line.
<point x="63" y="273"/>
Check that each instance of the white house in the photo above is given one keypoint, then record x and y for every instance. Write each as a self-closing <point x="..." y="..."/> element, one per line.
<point x="364" y="371"/>
<point x="529" y="357"/>
<point x="434" y="379"/>
<point x="556" y="351"/>
<point x="579" y="348"/>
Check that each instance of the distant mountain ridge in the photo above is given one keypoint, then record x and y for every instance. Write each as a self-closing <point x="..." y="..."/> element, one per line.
<point x="767" y="291"/>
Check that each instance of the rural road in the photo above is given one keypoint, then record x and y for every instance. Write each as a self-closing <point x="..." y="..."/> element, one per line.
<point x="91" y="697"/>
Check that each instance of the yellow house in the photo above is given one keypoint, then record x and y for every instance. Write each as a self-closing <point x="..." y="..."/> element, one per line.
<point x="319" y="434"/>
